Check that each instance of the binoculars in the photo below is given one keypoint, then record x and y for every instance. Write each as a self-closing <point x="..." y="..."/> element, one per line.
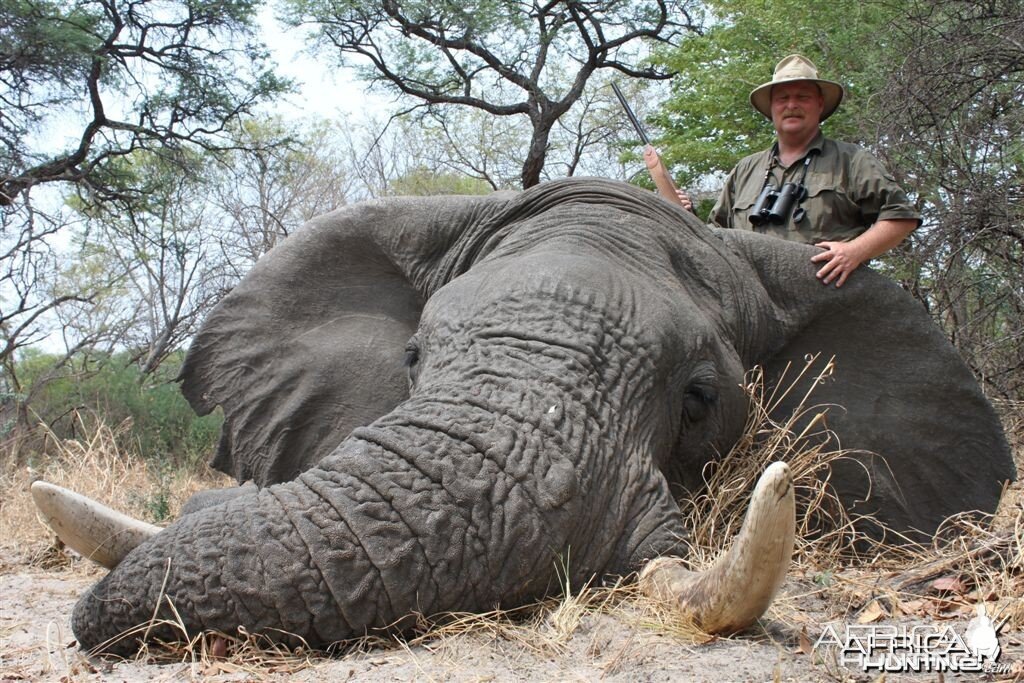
<point x="774" y="206"/>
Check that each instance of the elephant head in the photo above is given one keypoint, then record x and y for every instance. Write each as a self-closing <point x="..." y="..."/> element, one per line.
<point x="438" y="398"/>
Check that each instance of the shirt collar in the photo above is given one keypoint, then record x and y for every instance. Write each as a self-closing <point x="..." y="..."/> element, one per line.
<point x="817" y="145"/>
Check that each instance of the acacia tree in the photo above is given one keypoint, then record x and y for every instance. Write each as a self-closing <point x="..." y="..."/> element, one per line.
<point x="42" y="289"/>
<point x="528" y="60"/>
<point x="585" y="141"/>
<point x="161" y="244"/>
<point x="397" y="157"/>
<point x="83" y="85"/>
<point x="35" y="281"/>
<point x="201" y="222"/>
<point x="117" y="75"/>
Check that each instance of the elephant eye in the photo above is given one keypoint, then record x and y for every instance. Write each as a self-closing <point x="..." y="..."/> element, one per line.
<point x="697" y="402"/>
<point x="701" y="393"/>
<point x="412" y="360"/>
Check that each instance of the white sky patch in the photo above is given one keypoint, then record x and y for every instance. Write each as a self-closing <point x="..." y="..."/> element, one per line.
<point x="326" y="90"/>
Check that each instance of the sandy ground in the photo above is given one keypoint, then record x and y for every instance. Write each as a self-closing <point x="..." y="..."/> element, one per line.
<point x="36" y="644"/>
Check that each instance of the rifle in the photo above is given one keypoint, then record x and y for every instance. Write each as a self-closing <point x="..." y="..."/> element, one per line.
<point x="659" y="174"/>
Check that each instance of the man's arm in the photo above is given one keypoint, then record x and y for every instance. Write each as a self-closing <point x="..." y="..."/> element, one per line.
<point x="663" y="181"/>
<point x="840" y="259"/>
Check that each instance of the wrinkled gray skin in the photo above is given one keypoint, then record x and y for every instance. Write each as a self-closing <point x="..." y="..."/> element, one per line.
<point x="576" y="351"/>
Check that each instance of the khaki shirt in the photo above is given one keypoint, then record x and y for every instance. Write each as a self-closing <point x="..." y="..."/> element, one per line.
<point x="848" y="189"/>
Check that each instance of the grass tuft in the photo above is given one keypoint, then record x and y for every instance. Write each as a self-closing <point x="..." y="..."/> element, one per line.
<point x="95" y="466"/>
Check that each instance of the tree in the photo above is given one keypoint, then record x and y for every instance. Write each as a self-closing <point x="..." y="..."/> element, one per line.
<point x="201" y="222"/>
<point x="147" y="73"/>
<point x="42" y="289"/>
<point x="585" y="141"/>
<point x="264" y="190"/>
<point x="508" y="59"/>
<point x="160" y="242"/>
<point x="707" y="121"/>
<point x="29" y="265"/>
<point x="406" y="158"/>
<point x="84" y="84"/>
<point x="952" y="111"/>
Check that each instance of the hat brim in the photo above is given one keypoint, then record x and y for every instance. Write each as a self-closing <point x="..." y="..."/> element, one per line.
<point x="761" y="97"/>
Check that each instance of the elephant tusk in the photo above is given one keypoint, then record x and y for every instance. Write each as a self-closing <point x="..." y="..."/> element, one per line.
<point x="740" y="585"/>
<point x="99" y="533"/>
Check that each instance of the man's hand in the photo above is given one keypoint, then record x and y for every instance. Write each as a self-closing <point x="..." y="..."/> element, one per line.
<point x="684" y="199"/>
<point x="840" y="259"/>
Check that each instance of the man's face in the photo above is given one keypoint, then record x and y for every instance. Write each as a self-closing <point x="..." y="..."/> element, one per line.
<point x="797" y="108"/>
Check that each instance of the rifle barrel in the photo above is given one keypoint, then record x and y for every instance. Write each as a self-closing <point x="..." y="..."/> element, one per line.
<point x="629" y="113"/>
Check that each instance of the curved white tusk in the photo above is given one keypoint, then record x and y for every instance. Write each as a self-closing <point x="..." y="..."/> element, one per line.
<point x="99" y="533"/>
<point x="740" y="585"/>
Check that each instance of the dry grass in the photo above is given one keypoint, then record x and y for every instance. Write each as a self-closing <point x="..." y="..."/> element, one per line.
<point x="983" y="562"/>
<point x="824" y="530"/>
<point x="93" y="466"/>
<point x="975" y="560"/>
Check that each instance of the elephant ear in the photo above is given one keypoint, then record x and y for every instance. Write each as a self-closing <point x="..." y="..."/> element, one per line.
<point x="310" y="344"/>
<point x="927" y="442"/>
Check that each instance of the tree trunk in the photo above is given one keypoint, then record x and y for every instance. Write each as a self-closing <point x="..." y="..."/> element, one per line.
<point x="537" y="154"/>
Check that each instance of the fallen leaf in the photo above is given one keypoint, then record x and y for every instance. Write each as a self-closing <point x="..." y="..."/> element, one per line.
<point x="873" y="612"/>
<point x="218" y="647"/>
<point x="220" y="667"/>
<point x="805" y="642"/>
<point x="913" y="607"/>
<point x="985" y="596"/>
<point x="948" y="584"/>
<point x="966" y="610"/>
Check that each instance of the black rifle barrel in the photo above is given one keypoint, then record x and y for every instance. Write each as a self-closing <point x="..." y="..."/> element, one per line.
<point x="632" y="117"/>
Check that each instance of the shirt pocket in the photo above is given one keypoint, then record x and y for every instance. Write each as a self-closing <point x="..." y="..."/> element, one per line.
<point x="744" y="204"/>
<point x="832" y="214"/>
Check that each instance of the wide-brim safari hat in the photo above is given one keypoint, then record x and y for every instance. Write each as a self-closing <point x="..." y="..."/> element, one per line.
<point x="796" y="68"/>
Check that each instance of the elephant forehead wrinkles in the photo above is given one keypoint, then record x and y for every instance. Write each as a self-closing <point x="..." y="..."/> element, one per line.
<point x="546" y="338"/>
<point x="618" y="243"/>
<point x="616" y="250"/>
<point x="622" y="333"/>
<point x="564" y="301"/>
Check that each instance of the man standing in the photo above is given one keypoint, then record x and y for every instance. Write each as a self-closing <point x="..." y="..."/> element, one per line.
<point x="808" y="188"/>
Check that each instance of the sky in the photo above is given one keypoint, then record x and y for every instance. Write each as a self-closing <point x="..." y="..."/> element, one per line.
<point x="325" y="90"/>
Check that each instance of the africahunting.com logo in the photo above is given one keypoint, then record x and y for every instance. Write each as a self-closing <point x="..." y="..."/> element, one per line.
<point x="922" y="648"/>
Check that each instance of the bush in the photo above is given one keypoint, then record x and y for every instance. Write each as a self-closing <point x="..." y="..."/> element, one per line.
<point x="110" y="389"/>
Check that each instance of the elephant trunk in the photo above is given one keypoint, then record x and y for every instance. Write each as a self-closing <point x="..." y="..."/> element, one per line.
<point x="282" y="587"/>
<point x="411" y="515"/>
